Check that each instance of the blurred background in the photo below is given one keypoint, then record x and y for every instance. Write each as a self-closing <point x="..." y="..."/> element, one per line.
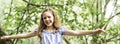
<point x="22" y="16"/>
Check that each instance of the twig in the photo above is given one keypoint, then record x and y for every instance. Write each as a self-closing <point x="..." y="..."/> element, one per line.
<point x="42" y="5"/>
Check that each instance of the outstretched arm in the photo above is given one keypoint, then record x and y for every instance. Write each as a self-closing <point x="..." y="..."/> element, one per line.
<point x="27" y="35"/>
<point x="83" y="32"/>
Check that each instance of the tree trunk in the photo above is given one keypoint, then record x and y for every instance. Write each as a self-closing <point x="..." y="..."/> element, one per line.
<point x="2" y="33"/>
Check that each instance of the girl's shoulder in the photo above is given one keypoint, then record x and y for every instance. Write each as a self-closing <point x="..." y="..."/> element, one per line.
<point x="62" y="27"/>
<point x="62" y="30"/>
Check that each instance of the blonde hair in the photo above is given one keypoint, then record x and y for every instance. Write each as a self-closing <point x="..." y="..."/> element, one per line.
<point x="56" y="23"/>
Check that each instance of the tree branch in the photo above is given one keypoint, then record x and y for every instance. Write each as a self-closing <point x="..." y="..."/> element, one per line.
<point x="10" y="7"/>
<point x="106" y="3"/>
<point x="66" y="40"/>
<point x="42" y="5"/>
<point x="104" y="27"/>
<point x="114" y="16"/>
<point x="112" y="38"/>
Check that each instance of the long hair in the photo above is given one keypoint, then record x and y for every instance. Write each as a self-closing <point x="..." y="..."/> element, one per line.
<point x="56" y="23"/>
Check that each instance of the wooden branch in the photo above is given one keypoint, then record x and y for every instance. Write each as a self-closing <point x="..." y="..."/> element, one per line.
<point x="20" y="24"/>
<point x="114" y="16"/>
<point x="118" y="13"/>
<point x="42" y="5"/>
<point x="66" y="40"/>
<point x="2" y="32"/>
<point x="114" y="9"/>
<point x="104" y="27"/>
<point x="112" y="38"/>
<point x="118" y="39"/>
<point x="10" y="7"/>
<point x="107" y="1"/>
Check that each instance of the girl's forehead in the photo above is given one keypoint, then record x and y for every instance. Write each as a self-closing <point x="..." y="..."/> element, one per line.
<point x="47" y="14"/>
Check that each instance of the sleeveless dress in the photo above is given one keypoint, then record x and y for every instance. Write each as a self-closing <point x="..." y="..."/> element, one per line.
<point x="52" y="38"/>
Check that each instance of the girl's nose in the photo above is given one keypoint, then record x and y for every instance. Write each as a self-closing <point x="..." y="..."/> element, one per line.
<point x="47" y="18"/>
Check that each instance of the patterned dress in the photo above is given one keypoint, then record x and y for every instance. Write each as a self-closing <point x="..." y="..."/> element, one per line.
<point x="52" y="38"/>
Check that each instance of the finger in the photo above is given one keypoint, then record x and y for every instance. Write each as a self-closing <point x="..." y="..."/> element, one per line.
<point x="2" y="38"/>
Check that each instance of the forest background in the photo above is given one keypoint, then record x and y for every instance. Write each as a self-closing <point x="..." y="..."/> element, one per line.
<point x="22" y="16"/>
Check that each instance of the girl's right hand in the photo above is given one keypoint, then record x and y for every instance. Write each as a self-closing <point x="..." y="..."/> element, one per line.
<point x="5" y="37"/>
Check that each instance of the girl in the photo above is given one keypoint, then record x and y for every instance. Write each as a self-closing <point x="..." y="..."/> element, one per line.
<point x="50" y="30"/>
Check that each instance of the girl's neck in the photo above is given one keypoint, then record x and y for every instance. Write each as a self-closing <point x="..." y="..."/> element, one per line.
<point x="50" y="28"/>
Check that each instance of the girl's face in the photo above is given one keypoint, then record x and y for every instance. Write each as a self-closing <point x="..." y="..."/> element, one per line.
<point x="48" y="18"/>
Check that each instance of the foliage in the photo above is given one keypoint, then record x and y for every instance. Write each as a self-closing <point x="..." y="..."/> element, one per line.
<point x="18" y="16"/>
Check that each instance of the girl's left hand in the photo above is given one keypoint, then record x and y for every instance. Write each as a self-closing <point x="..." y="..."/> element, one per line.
<point x="100" y="30"/>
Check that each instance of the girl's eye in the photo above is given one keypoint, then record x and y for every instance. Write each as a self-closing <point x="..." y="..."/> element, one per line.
<point x="49" y="17"/>
<point x="44" y="18"/>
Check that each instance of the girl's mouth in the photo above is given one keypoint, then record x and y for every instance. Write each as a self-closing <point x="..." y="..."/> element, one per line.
<point x="48" y="22"/>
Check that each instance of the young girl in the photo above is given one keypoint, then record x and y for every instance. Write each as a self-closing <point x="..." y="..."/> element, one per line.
<point x="50" y="30"/>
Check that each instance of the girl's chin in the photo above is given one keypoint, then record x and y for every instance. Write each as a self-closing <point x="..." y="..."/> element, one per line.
<point x="49" y="25"/>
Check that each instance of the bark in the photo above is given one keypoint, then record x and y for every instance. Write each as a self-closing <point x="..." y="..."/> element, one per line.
<point x="2" y="33"/>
